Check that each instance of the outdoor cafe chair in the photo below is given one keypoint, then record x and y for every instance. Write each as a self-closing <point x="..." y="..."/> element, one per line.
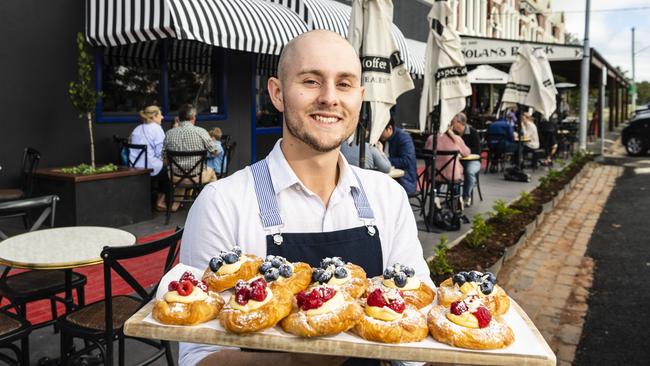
<point x="184" y="176"/>
<point x="34" y="285"/>
<point x="449" y="188"/>
<point x="14" y="328"/>
<point x="229" y="145"/>
<point x="141" y="153"/>
<point x="102" y="322"/>
<point x="31" y="158"/>
<point x="122" y="153"/>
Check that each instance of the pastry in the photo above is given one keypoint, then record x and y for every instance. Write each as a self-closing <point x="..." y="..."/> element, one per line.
<point x="187" y="302"/>
<point x="389" y="319"/>
<point x="293" y="277"/>
<point x="228" y="267"/>
<point x="255" y="306"/>
<point x="322" y="310"/>
<point x="468" y="323"/>
<point x="474" y="282"/>
<point x="345" y="276"/>
<point x="402" y="277"/>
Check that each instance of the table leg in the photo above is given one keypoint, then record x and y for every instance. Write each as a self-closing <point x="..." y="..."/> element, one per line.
<point x="69" y="302"/>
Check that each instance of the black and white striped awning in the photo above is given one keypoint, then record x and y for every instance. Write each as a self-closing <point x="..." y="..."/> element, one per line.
<point x="181" y="55"/>
<point x="246" y="25"/>
<point x="335" y="16"/>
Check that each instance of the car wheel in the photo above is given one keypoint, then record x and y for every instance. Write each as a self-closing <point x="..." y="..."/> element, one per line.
<point x="635" y="146"/>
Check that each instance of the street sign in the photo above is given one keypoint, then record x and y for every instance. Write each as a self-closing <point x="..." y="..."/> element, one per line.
<point x="493" y="51"/>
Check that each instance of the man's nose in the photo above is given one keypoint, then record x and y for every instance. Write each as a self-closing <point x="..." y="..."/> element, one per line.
<point x="328" y="94"/>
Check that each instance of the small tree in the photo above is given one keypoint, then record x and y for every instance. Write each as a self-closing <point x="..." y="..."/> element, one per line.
<point x="82" y="94"/>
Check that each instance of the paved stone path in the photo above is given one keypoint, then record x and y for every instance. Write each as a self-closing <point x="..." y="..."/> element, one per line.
<point x="550" y="277"/>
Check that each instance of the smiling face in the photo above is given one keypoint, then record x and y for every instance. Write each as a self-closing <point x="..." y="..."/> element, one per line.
<point x="318" y="90"/>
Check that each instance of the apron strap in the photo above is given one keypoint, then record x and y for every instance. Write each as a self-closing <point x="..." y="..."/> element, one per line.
<point x="361" y="201"/>
<point x="266" y="200"/>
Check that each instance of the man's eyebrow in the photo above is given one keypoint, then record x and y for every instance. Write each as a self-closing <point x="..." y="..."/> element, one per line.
<point x="344" y="75"/>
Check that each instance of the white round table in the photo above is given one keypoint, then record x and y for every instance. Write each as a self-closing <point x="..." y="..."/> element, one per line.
<point x="396" y="173"/>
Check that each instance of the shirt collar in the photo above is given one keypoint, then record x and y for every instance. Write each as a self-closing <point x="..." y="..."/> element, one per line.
<point x="284" y="177"/>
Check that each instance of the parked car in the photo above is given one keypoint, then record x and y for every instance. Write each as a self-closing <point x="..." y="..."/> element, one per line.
<point x="636" y="136"/>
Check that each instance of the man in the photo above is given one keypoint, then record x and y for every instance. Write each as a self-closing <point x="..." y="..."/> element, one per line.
<point x="188" y="137"/>
<point x="471" y="168"/>
<point x="401" y="153"/>
<point x="500" y="139"/>
<point x="308" y="195"/>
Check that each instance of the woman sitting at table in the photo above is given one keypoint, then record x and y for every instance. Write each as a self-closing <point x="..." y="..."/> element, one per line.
<point x="449" y="141"/>
<point x="151" y="134"/>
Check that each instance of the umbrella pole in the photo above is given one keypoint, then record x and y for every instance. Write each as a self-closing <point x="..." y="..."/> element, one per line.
<point x="520" y="130"/>
<point x="364" y="118"/>
<point x="434" y="117"/>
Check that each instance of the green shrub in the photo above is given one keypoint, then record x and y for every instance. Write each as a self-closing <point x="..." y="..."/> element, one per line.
<point x="85" y="169"/>
<point x="503" y="212"/>
<point x="525" y="199"/>
<point x="480" y="232"/>
<point x="439" y="265"/>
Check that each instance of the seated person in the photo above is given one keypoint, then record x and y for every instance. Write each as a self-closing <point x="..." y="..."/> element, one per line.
<point x="529" y="133"/>
<point x="375" y="158"/>
<point x="449" y="141"/>
<point x="501" y="136"/>
<point x="216" y="161"/>
<point x="548" y="137"/>
<point x="471" y="168"/>
<point x="401" y="153"/>
<point x="151" y="134"/>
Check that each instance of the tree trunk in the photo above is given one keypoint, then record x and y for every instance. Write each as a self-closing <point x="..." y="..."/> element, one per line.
<point x="92" y="140"/>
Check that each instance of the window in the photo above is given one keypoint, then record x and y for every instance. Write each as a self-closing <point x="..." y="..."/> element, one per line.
<point x="168" y="73"/>
<point x="267" y="115"/>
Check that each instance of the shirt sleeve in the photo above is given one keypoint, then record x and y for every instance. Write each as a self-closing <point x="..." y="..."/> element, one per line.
<point x="380" y="160"/>
<point x="405" y="151"/>
<point x="207" y="141"/>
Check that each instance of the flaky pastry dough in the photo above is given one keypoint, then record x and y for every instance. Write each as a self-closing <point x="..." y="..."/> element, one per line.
<point x="266" y="316"/>
<point x="496" y="335"/>
<point x="299" y="280"/>
<point x="498" y="301"/>
<point x="248" y="270"/>
<point x="178" y="313"/>
<point x="411" y="327"/>
<point x="357" y="284"/>
<point x="338" y="320"/>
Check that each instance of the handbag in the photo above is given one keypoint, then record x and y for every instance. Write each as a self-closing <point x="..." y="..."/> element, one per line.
<point x="446" y="219"/>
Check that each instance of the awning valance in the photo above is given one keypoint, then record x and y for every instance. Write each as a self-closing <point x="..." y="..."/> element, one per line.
<point x="246" y="25"/>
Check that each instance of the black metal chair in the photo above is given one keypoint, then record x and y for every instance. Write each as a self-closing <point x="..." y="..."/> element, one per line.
<point x="31" y="158"/>
<point x="140" y="150"/>
<point x="102" y="322"/>
<point x="29" y="286"/>
<point x="449" y="188"/>
<point x="497" y="153"/>
<point x="184" y="169"/>
<point x="14" y="328"/>
<point x="229" y="145"/>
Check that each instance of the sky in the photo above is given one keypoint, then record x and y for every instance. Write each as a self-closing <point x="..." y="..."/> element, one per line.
<point x="610" y="31"/>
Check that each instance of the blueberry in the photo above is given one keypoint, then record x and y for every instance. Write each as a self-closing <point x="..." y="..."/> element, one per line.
<point x="464" y="274"/>
<point x="286" y="270"/>
<point x="325" y="262"/>
<point x="325" y="276"/>
<point x="459" y="279"/>
<point x="340" y="272"/>
<point x="277" y="262"/>
<point x="237" y="250"/>
<point x="316" y="274"/>
<point x="389" y="273"/>
<point x="338" y="262"/>
<point x="269" y="258"/>
<point x="491" y="277"/>
<point x="400" y="279"/>
<point x="486" y="288"/>
<point x="271" y="275"/>
<point x="265" y="267"/>
<point x="230" y="257"/>
<point x="216" y="263"/>
<point x="473" y="276"/>
<point x="410" y="272"/>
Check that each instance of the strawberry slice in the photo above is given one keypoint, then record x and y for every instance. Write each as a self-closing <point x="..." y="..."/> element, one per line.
<point x="326" y="293"/>
<point x="185" y="288"/>
<point x="376" y="298"/>
<point x="483" y="316"/>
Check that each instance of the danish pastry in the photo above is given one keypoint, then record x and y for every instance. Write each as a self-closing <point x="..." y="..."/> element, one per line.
<point x="401" y="277"/>
<point x="345" y="276"/>
<point x="255" y="306"/>
<point x="468" y="323"/>
<point x="187" y="302"/>
<point x="474" y="282"/>
<point x="229" y="267"/>
<point x="293" y="277"/>
<point x="389" y="319"/>
<point x="322" y="310"/>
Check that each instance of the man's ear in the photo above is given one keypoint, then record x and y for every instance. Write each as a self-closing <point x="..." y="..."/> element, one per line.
<point x="275" y="92"/>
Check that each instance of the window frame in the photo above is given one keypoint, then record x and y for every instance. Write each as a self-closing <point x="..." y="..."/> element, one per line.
<point x="219" y="64"/>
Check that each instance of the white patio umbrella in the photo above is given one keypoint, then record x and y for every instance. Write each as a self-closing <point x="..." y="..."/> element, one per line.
<point x="385" y="76"/>
<point x="530" y="82"/>
<point x="445" y="78"/>
<point x="486" y="74"/>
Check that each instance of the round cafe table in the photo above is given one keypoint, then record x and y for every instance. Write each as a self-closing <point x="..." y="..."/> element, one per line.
<point x="396" y="173"/>
<point x="61" y="248"/>
<point x="471" y="157"/>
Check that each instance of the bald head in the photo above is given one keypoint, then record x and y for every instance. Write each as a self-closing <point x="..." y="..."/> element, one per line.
<point x="307" y="41"/>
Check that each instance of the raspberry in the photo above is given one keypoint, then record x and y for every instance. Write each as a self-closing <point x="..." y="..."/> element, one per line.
<point x="202" y="286"/>
<point x="301" y="297"/>
<point x="326" y="293"/>
<point x="483" y="316"/>
<point x="185" y="288"/>
<point x="376" y="299"/>
<point x="172" y="286"/>
<point x="311" y="300"/>
<point x="313" y="303"/>
<point x="258" y="293"/>
<point x="260" y="282"/>
<point x="187" y="275"/>
<point x="458" y="307"/>
<point x="242" y="295"/>
<point x="397" y="305"/>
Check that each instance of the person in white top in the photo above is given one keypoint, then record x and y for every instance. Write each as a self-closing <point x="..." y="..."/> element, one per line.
<point x="304" y="201"/>
<point x="529" y="130"/>
<point x="151" y="134"/>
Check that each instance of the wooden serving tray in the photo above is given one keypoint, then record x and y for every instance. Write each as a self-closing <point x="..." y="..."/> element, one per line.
<point x="350" y="345"/>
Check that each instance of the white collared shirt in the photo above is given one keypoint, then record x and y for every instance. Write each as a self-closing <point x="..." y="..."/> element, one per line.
<point x="226" y="213"/>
